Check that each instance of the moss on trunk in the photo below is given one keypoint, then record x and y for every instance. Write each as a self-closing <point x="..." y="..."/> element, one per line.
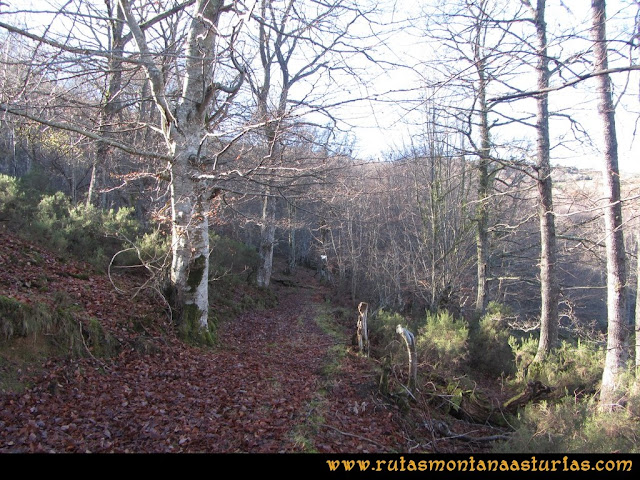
<point x="190" y="329"/>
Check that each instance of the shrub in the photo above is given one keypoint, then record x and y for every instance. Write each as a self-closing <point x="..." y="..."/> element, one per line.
<point x="87" y="233"/>
<point x="51" y="220"/>
<point x="100" y="233"/>
<point x="382" y="332"/>
<point x="151" y="249"/>
<point x="229" y="256"/>
<point x="11" y="199"/>
<point x="573" y="427"/>
<point x="442" y="341"/>
<point x="574" y="368"/>
<point x="18" y="200"/>
<point x="490" y="350"/>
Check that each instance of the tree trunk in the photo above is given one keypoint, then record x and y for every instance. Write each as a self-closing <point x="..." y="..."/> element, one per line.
<point x="615" y="360"/>
<point x="292" y="260"/>
<point x="549" y="290"/>
<point x="184" y="126"/>
<point x="190" y="246"/>
<point x="267" y="240"/>
<point x="482" y="243"/>
<point x="482" y="216"/>
<point x="111" y="97"/>
<point x="637" y="325"/>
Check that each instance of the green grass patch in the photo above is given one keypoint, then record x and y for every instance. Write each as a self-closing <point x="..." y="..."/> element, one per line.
<point x="304" y="432"/>
<point x="302" y="435"/>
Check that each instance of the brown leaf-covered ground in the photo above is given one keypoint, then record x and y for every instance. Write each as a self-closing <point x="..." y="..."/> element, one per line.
<point x="273" y="383"/>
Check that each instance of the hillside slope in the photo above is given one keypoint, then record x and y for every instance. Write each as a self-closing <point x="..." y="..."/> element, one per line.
<point x="276" y="382"/>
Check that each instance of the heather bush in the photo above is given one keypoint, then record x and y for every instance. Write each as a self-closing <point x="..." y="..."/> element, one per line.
<point x="442" y="340"/>
<point x="573" y="368"/>
<point x="490" y="351"/>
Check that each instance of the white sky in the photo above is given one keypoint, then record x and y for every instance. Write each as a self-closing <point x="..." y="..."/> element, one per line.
<point x="384" y="127"/>
<point x="381" y="126"/>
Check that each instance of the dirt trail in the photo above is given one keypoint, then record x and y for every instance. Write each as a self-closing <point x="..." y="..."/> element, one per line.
<point x="271" y="386"/>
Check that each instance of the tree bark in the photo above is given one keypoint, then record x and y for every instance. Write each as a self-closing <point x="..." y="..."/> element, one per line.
<point x="190" y="241"/>
<point x="184" y="128"/>
<point x="292" y="259"/>
<point x="111" y="97"/>
<point x="615" y="360"/>
<point x="267" y="241"/>
<point x="549" y="290"/>
<point x="482" y="216"/>
<point x="271" y="120"/>
<point x="484" y="154"/>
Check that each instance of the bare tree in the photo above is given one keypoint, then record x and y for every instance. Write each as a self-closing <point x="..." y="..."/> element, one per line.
<point x="548" y="256"/>
<point x="191" y="107"/>
<point x="186" y="118"/>
<point x="112" y="95"/>
<point x="478" y="58"/>
<point x="484" y="160"/>
<point x="119" y="73"/>
<point x="298" y="42"/>
<point x="616" y="356"/>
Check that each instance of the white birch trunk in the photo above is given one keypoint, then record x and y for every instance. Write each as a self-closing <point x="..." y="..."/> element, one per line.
<point x="184" y="128"/>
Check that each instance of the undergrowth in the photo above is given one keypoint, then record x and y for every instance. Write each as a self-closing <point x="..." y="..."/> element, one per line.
<point x="452" y="354"/>
<point x="34" y="332"/>
<point x="85" y="232"/>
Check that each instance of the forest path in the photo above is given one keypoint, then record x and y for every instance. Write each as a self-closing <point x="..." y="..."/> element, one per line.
<point x="305" y="341"/>
<point x="276" y="382"/>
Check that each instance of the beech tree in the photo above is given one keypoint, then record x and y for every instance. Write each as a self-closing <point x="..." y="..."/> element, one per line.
<point x="190" y="111"/>
<point x="187" y="118"/>
<point x="112" y="98"/>
<point x="476" y="59"/>
<point x="299" y="42"/>
<point x="120" y="75"/>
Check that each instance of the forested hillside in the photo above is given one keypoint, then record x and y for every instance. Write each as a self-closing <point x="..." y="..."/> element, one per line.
<point x="200" y="251"/>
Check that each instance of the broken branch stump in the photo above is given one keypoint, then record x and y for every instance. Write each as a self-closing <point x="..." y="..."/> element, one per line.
<point x="410" y="341"/>
<point x="362" y="328"/>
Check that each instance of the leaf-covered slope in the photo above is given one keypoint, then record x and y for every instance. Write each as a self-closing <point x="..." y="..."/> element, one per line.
<point x="264" y="388"/>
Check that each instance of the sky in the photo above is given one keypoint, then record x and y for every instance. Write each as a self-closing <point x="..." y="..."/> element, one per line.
<point x="384" y="126"/>
<point x="388" y="121"/>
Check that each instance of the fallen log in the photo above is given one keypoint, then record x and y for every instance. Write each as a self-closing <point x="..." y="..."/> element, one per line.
<point x="472" y="405"/>
<point x="535" y="390"/>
